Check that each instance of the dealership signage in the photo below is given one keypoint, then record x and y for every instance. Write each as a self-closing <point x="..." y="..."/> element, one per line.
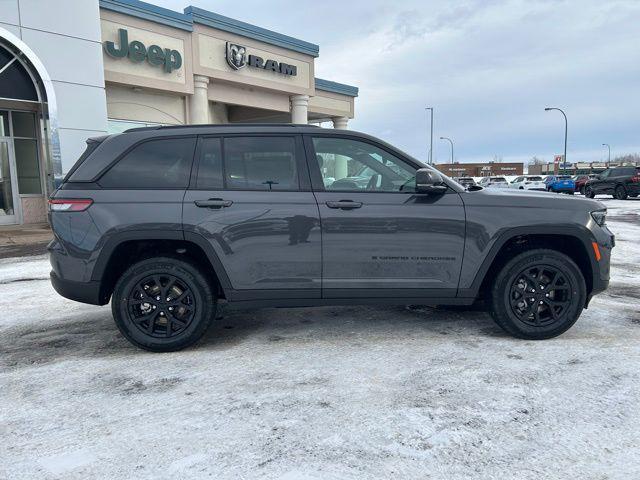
<point x="237" y="58"/>
<point x="138" y="52"/>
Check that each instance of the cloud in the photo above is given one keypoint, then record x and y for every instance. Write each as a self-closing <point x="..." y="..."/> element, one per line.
<point x="488" y="67"/>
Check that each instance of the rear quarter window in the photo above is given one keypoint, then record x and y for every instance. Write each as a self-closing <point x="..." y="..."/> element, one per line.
<point x="154" y="164"/>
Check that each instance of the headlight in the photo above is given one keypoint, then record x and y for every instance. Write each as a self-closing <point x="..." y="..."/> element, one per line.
<point x="599" y="216"/>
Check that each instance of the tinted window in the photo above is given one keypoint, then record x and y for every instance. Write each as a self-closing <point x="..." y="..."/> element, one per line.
<point x="534" y="179"/>
<point x="210" y="168"/>
<point x="163" y="163"/>
<point x="352" y="165"/>
<point x="624" y="171"/>
<point x="260" y="163"/>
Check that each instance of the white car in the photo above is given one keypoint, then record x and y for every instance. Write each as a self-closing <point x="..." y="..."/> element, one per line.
<point x="493" y="182"/>
<point x="529" y="182"/>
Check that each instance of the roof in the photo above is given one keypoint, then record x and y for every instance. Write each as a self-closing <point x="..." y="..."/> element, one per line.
<point x="191" y="15"/>
<point x="335" y="87"/>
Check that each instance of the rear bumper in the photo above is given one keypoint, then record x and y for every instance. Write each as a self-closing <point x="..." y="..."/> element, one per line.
<point x="85" y="292"/>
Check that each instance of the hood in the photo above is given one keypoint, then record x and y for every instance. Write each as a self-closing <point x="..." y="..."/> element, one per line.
<point x="497" y="197"/>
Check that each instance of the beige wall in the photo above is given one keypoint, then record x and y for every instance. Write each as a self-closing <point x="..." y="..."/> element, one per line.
<point x="331" y="104"/>
<point x="248" y="96"/>
<point x="209" y="47"/>
<point x="124" y="71"/>
<point x="127" y="103"/>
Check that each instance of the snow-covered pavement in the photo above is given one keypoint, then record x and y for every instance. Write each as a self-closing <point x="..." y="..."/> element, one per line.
<point x="322" y="393"/>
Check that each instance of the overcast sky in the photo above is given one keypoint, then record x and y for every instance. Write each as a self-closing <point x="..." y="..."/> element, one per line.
<point x="488" y="67"/>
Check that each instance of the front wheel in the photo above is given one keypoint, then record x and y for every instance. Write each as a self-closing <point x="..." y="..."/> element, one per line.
<point x="163" y="304"/>
<point x="538" y="294"/>
<point x="620" y="193"/>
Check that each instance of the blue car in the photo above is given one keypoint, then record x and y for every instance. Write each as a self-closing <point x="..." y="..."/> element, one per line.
<point x="560" y="184"/>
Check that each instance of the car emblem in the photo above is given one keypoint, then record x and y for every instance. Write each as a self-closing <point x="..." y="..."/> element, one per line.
<point x="236" y="55"/>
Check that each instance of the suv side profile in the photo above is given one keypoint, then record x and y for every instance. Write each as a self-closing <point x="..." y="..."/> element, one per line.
<point x="621" y="182"/>
<point x="167" y="223"/>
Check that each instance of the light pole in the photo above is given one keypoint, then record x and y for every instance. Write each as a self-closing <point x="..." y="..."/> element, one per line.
<point x="566" y="127"/>
<point x="431" y="141"/>
<point x="451" y="142"/>
<point x="609" y="148"/>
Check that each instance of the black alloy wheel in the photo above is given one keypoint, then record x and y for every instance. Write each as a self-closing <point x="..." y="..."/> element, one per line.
<point x="589" y="193"/>
<point x="620" y="193"/>
<point x="163" y="304"/>
<point x="540" y="295"/>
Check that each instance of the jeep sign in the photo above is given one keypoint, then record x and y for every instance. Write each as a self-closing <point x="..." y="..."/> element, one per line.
<point x="137" y="52"/>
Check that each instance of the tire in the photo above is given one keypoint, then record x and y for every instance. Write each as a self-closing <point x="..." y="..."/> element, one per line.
<point x="620" y="193"/>
<point x="524" y="316"/>
<point x="582" y="190"/>
<point x="144" y="317"/>
<point x="588" y="192"/>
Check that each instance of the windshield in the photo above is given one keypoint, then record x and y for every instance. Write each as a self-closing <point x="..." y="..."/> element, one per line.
<point x="534" y="179"/>
<point x="498" y="180"/>
<point x="564" y="177"/>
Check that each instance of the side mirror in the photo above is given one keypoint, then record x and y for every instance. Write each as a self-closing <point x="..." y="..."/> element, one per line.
<point x="430" y="182"/>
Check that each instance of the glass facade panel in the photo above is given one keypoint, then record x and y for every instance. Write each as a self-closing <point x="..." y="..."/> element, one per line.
<point x="24" y="124"/>
<point x="6" y="192"/>
<point x="4" y="123"/>
<point x="27" y="166"/>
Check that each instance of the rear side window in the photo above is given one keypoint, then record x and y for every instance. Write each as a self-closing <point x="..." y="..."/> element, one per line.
<point x="260" y="163"/>
<point x="156" y="164"/>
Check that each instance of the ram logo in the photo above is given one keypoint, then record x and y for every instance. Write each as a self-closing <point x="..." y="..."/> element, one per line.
<point x="236" y="56"/>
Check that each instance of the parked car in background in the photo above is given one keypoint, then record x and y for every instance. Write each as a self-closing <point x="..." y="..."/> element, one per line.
<point x="560" y="184"/>
<point x="528" y="182"/>
<point x="167" y="222"/>
<point x="495" y="182"/>
<point x="466" y="182"/>
<point x="621" y="182"/>
<point x="581" y="180"/>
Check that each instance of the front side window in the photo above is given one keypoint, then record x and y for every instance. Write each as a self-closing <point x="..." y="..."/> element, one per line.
<point x="156" y="164"/>
<point x="260" y="163"/>
<point x="352" y="165"/>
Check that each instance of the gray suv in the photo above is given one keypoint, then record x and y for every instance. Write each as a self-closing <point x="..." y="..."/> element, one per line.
<point x="170" y="222"/>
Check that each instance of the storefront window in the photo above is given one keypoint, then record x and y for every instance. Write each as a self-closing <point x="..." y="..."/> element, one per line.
<point x="4" y="124"/>
<point x="24" y="124"/>
<point x="27" y="166"/>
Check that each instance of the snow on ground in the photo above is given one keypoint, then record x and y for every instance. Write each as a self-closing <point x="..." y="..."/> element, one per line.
<point x="322" y="393"/>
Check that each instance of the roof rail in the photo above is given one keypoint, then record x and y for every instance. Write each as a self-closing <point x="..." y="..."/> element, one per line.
<point x="168" y="127"/>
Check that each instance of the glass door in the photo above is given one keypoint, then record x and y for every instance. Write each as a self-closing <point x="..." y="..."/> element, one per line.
<point x="8" y="194"/>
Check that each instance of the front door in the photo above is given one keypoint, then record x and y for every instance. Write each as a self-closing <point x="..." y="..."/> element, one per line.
<point x="250" y="198"/>
<point x="380" y="238"/>
<point x="9" y="200"/>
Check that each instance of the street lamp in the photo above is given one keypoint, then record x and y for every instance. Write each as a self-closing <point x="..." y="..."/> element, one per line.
<point x="431" y="141"/>
<point x="609" y="148"/>
<point x="566" y="127"/>
<point x="451" y="142"/>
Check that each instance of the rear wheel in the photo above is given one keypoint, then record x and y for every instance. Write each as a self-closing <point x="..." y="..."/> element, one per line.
<point x="582" y="190"/>
<point x="538" y="294"/>
<point x="163" y="304"/>
<point x="589" y="193"/>
<point x="620" y="193"/>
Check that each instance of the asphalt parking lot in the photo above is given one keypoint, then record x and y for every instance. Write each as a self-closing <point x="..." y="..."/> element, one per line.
<point x="322" y="393"/>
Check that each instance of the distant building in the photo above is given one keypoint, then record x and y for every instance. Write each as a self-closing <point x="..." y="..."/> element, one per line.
<point x="575" y="168"/>
<point x="480" y="169"/>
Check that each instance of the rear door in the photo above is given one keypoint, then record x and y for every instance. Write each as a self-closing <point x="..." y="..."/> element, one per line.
<point x="250" y="198"/>
<point x="380" y="238"/>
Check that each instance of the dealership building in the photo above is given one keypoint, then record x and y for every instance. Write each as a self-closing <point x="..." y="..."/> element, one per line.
<point x="481" y="169"/>
<point x="80" y="68"/>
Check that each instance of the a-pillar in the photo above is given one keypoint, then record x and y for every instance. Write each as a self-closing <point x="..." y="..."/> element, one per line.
<point x="199" y="101"/>
<point x="299" y="109"/>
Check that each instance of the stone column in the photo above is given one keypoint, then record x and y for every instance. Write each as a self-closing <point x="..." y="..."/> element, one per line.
<point x="340" y="122"/>
<point x="299" y="109"/>
<point x="199" y="101"/>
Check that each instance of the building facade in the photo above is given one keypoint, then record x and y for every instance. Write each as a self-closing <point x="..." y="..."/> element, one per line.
<point x="480" y="169"/>
<point x="73" y="69"/>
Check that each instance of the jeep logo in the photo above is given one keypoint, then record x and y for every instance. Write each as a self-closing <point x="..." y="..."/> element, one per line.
<point x="137" y="52"/>
<point x="236" y="56"/>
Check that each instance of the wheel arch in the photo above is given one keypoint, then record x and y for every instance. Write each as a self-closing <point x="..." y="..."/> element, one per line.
<point x="125" y="248"/>
<point x="574" y="241"/>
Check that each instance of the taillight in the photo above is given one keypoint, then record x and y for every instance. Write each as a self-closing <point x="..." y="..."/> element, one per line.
<point x="636" y="178"/>
<point x="69" y="204"/>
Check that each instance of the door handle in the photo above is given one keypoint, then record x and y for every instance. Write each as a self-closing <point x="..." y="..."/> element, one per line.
<point x="213" y="203"/>
<point x="344" y="204"/>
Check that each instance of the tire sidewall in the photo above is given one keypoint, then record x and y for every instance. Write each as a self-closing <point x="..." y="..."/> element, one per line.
<point x="500" y="294"/>
<point x="622" y="195"/>
<point x="203" y="298"/>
